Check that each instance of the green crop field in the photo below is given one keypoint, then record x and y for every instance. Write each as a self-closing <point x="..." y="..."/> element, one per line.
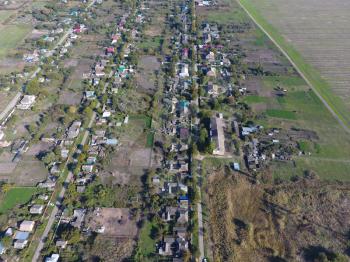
<point x="16" y="196"/>
<point x="14" y="36"/>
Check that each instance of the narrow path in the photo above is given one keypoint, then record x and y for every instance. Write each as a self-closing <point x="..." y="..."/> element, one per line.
<point x="335" y="115"/>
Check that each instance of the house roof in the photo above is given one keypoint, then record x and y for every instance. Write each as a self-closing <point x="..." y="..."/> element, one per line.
<point x="2" y="248"/>
<point x="20" y="235"/>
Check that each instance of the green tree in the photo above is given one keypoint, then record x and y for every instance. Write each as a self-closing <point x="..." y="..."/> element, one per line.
<point x="32" y="88"/>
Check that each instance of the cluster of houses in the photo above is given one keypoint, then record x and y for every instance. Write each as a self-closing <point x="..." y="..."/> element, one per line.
<point x="52" y="36"/>
<point x="20" y="231"/>
<point x="259" y="146"/>
<point x="99" y="139"/>
<point x="177" y="158"/>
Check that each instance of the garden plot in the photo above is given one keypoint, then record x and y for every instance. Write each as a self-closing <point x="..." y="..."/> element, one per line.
<point x="133" y="156"/>
<point x="146" y="76"/>
<point x="28" y="172"/>
<point x="35" y="149"/>
<point x="111" y="249"/>
<point x="69" y="98"/>
<point x="117" y="222"/>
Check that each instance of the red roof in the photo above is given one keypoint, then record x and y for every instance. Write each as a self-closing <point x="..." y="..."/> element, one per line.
<point x="115" y="37"/>
<point x="110" y="49"/>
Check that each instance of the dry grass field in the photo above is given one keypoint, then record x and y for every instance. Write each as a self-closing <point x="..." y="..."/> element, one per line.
<point x="318" y="30"/>
<point x="251" y="222"/>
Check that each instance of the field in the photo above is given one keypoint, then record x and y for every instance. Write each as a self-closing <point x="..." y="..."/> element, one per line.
<point x="16" y="196"/>
<point x="118" y="222"/>
<point x="5" y="14"/>
<point x="28" y="172"/>
<point x="285" y="101"/>
<point x="252" y="222"/>
<point x="315" y="36"/>
<point x="134" y="153"/>
<point x="14" y="36"/>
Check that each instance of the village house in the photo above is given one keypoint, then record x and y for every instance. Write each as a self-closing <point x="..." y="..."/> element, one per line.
<point x="61" y="244"/>
<point x="26" y="102"/>
<point x="110" y="50"/>
<point x="212" y="89"/>
<point x="167" y="246"/>
<point x="20" y="244"/>
<point x="78" y="217"/>
<point x="90" y="95"/>
<point x="52" y="258"/>
<point x="184" y="71"/>
<point x="169" y="214"/>
<point x="99" y="70"/>
<point x="27" y="226"/>
<point x="36" y="209"/>
<point x="217" y="135"/>
<point x="79" y="28"/>
<point x="74" y="129"/>
<point x="2" y="249"/>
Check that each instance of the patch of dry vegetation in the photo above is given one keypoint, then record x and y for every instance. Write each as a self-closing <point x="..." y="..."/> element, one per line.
<point x="293" y="221"/>
<point x="111" y="250"/>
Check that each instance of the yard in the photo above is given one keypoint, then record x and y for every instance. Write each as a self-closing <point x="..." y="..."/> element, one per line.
<point x="146" y="245"/>
<point x="15" y="196"/>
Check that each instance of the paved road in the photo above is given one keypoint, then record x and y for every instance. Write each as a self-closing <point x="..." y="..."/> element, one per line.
<point x="335" y="115"/>
<point x="10" y="106"/>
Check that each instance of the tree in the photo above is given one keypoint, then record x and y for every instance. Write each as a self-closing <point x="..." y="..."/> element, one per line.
<point x="72" y="110"/>
<point x="32" y="87"/>
<point x="203" y="135"/>
<point x="48" y="158"/>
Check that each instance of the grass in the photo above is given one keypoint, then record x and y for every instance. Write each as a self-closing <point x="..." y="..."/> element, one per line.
<point x="151" y="42"/>
<point x="150" y="139"/>
<point x="14" y="36"/>
<point x="326" y="169"/>
<point x="254" y="99"/>
<point x="5" y="14"/>
<point x="147" y="119"/>
<point x="224" y="17"/>
<point x="146" y="243"/>
<point x="16" y="196"/>
<point x="281" y="114"/>
<point x="312" y="75"/>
